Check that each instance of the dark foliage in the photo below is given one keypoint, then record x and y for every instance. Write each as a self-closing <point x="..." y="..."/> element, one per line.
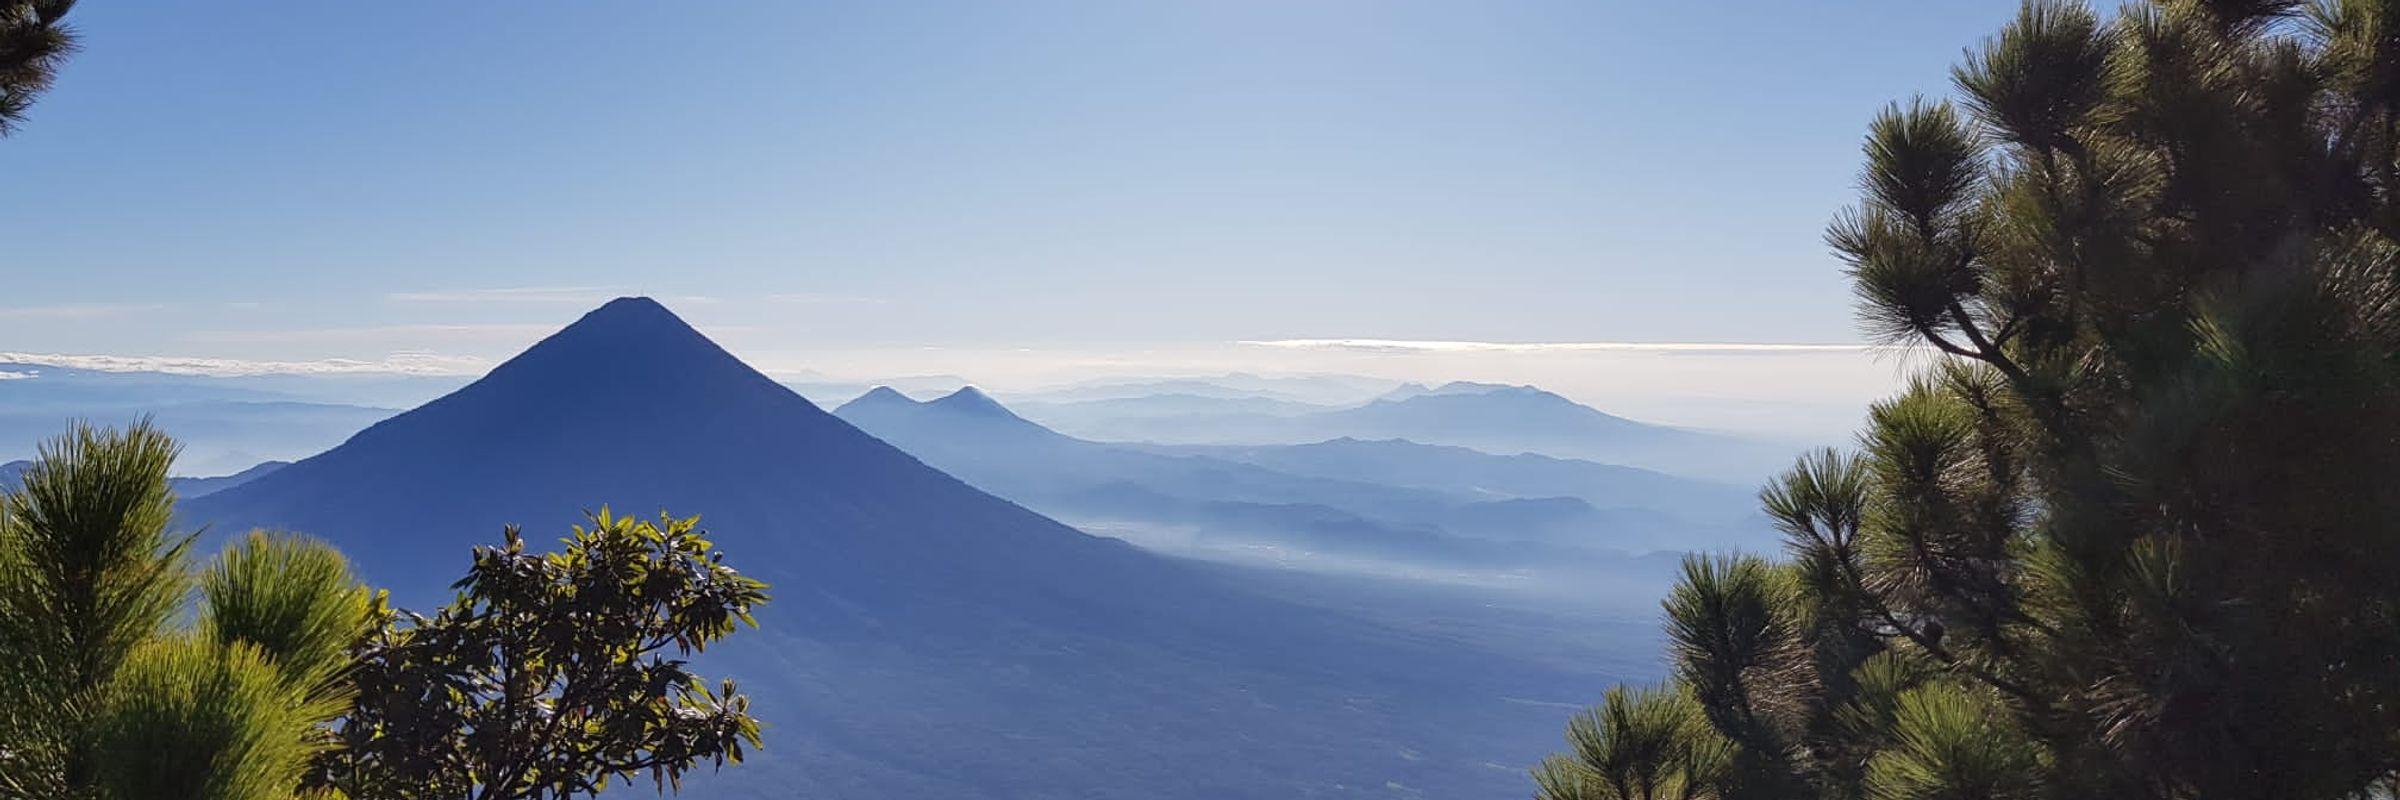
<point x="550" y="676"/>
<point x="100" y="696"/>
<point x="546" y="679"/>
<point x="2127" y="536"/>
<point x="33" y="42"/>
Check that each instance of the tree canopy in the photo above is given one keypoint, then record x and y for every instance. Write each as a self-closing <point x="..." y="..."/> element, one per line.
<point x="34" y="40"/>
<point x="100" y="695"/>
<point x="2127" y="533"/>
<point x="549" y="677"/>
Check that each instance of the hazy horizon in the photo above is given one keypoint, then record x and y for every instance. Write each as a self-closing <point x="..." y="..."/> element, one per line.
<point x="1811" y="393"/>
<point x="1055" y="193"/>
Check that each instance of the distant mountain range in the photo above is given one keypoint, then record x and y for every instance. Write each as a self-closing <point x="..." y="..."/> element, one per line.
<point x="1138" y="417"/>
<point x="190" y="488"/>
<point x="1470" y="472"/>
<point x="12" y="475"/>
<point x="1413" y="390"/>
<point x="44" y="385"/>
<point x="927" y="638"/>
<point x="1395" y="501"/>
<point x="224" y="424"/>
<point x="218" y="437"/>
<point x="1333" y="390"/>
<point x="1489" y="417"/>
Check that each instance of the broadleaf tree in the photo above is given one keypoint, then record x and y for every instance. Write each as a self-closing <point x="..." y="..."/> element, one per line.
<point x="553" y="675"/>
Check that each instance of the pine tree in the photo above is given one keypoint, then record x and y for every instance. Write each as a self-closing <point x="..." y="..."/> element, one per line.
<point x="100" y="697"/>
<point x="34" y="40"/>
<point x="2126" y="534"/>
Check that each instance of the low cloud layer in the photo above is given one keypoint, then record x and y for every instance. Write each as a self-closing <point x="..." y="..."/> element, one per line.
<point x="398" y="334"/>
<point x="76" y="311"/>
<point x="1413" y="346"/>
<point x="579" y="295"/>
<point x="535" y="295"/>
<point x="396" y="364"/>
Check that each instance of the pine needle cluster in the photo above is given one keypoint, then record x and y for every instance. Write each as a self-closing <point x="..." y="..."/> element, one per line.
<point x="102" y="695"/>
<point x="2128" y="536"/>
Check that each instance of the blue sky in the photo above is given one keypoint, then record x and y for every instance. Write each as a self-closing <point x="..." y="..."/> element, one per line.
<point x="302" y="180"/>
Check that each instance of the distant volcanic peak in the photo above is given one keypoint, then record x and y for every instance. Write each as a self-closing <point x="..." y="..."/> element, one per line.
<point x="626" y="333"/>
<point x="630" y="316"/>
<point x="1451" y="392"/>
<point x="971" y="400"/>
<point x="636" y="311"/>
<point x="1472" y="387"/>
<point x="1370" y="444"/>
<point x="254" y="470"/>
<point x="624" y="369"/>
<point x="1527" y="393"/>
<point x="882" y="395"/>
<point x="632" y="305"/>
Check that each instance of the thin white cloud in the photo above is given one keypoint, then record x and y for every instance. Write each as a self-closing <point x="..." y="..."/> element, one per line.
<point x="513" y="294"/>
<point x="1402" y="346"/>
<point x="9" y="375"/>
<point x="464" y="331"/>
<point x="75" y="311"/>
<point x="563" y="295"/>
<point x="395" y="364"/>
<point x="818" y="298"/>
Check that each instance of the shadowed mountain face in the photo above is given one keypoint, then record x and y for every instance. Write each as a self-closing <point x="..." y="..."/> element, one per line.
<point x="926" y="638"/>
